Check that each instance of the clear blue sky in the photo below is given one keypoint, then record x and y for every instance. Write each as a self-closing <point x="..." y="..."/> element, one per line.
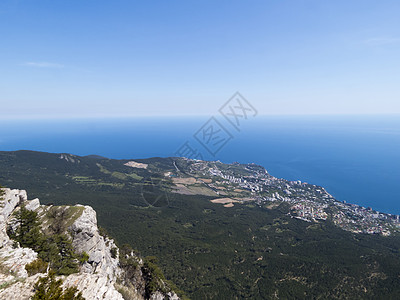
<point x="111" y="58"/>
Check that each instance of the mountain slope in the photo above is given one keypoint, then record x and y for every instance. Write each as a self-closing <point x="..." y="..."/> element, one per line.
<point x="215" y="233"/>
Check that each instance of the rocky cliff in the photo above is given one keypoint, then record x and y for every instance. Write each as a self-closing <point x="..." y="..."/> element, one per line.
<point x="105" y="273"/>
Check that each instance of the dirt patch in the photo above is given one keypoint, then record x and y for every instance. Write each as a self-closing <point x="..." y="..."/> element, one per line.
<point x="134" y="164"/>
<point x="245" y="199"/>
<point x="181" y="189"/>
<point x="272" y="205"/>
<point x="189" y="180"/>
<point x="205" y="180"/>
<point x="223" y="200"/>
<point x="229" y="205"/>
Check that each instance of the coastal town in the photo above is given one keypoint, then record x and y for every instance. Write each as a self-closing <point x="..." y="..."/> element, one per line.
<point x="245" y="183"/>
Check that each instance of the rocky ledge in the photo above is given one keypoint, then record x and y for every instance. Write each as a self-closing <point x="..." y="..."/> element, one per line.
<point x="106" y="273"/>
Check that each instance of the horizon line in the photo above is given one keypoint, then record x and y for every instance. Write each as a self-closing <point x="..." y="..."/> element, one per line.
<point x="91" y="117"/>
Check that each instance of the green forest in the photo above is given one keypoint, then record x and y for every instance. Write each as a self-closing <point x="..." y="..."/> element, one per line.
<point x="207" y="250"/>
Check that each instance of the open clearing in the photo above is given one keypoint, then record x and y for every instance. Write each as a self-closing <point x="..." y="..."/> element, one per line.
<point x="223" y="200"/>
<point x="134" y="164"/>
<point x="189" y="180"/>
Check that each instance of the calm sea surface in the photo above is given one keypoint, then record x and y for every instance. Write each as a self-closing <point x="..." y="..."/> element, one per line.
<point x="355" y="158"/>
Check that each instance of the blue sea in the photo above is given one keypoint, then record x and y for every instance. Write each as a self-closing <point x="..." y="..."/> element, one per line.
<point x="356" y="158"/>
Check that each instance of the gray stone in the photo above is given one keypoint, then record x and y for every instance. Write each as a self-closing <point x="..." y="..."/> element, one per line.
<point x="33" y="204"/>
<point x="97" y="278"/>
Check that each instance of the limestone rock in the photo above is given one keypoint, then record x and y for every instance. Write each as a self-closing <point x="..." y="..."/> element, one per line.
<point x="11" y="199"/>
<point x="98" y="277"/>
<point x="93" y="286"/>
<point x="8" y="202"/>
<point x="33" y="204"/>
<point x="19" y="289"/>
<point x="15" y="260"/>
<point x="86" y="238"/>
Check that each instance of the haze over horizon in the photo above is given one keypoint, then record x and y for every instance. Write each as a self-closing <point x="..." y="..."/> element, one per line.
<point x="123" y="58"/>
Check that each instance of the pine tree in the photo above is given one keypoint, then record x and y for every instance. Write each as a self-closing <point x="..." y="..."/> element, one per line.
<point x="28" y="233"/>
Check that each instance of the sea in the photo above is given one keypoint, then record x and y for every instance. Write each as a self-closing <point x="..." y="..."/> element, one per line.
<point x="355" y="157"/>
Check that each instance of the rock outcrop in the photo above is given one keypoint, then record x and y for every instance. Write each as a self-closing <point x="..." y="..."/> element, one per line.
<point x="86" y="238"/>
<point x="12" y="260"/>
<point x="10" y="200"/>
<point x="102" y="276"/>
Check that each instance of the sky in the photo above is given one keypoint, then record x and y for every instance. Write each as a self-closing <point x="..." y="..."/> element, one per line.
<point x="95" y="58"/>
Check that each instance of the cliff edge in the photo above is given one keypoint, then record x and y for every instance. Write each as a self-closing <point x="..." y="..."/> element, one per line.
<point x="100" y="269"/>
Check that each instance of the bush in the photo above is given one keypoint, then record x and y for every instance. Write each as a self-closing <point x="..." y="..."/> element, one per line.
<point x="103" y="232"/>
<point x="37" y="266"/>
<point x="84" y="257"/>
<point x="49" y="288"/>
<point x="114" y="252"/>
<point x="126" y="249"/>
<point x="155" y="280"/>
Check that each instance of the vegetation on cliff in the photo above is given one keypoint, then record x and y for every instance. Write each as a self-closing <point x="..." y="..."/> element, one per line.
<point x="54" y="248"/>
<point x="50" y="288"/>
